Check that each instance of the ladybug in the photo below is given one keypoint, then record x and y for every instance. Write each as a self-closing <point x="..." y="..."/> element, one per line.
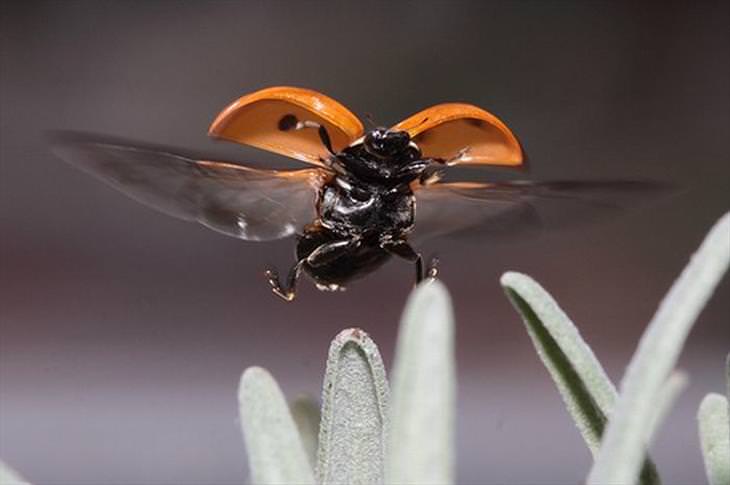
<point x="366" y="196"/>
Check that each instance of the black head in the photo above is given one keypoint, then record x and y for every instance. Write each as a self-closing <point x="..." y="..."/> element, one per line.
<point x="384" y="143"/>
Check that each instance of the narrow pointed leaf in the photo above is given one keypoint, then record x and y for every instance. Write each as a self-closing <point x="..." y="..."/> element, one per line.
<point x="8" y="476"/>
<point x="354" y="412"/>
<point x="421" y="441"/>
<point x="275" y="451"/>
<point x="665" y="399"/>
<point x="584" y="386"/>
<point x="622" y="449"/>
<point x="305" y="411"/>
<point x="727" y="377"/>
<point x="715" y="438"/>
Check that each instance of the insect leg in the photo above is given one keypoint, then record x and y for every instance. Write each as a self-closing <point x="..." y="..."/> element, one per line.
<point x="460" y="156"/>
<point x="432" y="270"/>
<point x="432" y="173"/>
<point x="423" y="169"/>
<point x="404" y="250"/>
<point x="325" y="137"/>
<point x="288" y="292"/>
<point x="328" y="252"/>
<point x="289" y="122"/>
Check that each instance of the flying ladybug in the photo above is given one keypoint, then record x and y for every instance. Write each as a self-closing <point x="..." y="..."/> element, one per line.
<point x="367" y="196"/>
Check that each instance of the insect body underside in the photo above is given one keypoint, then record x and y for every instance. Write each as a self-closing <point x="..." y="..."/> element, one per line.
<point x="365" y="214"/>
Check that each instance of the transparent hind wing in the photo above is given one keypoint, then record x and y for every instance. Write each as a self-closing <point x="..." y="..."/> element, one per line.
<point x="238" y="201"/>
<point x="514" y="210"/>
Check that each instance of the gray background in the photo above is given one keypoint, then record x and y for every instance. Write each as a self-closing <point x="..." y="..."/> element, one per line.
<point x="124" y="332"/>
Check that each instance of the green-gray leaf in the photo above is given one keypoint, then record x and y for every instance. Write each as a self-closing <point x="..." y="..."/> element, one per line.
<point x="275" y="451"/>
<point x="624" y="441"/>
<point x="8" y="476"/>
<point x="421" y="440"/>
<point x="354" y="412"/>
<point x="305" y="411"/>
<point x="715" y="438"/>
<point x="588" y="393"/>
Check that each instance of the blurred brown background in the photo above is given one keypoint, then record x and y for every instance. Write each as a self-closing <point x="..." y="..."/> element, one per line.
<point x="124" y="332"/>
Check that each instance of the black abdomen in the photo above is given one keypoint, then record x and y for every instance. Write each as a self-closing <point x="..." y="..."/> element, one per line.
<point x="351" y="265"/>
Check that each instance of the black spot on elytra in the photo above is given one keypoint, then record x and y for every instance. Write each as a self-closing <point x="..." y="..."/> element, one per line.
<point x="287" y="122"/>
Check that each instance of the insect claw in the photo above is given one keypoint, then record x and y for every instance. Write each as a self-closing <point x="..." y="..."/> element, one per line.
<point x="273" y="276"/>
<point x="432" y="270"/>
<point x="287" y="296"/>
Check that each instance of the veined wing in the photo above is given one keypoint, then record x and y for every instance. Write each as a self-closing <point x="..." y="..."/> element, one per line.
<point x="242" y="202"/>
<point x="509" y="210"/>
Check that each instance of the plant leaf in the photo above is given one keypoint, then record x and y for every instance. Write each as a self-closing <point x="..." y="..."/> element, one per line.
<point x="8" y="476"/>
<point x="354" y="412"/>
<point x="305" y="411"/>
<point x="275" y="451"/>
<point x="421" y="440"/>
<point x="624" y="442"/>
<point x="588" y="393"/>
<point x="715" y="438"/>
<point x="669" y="392"/>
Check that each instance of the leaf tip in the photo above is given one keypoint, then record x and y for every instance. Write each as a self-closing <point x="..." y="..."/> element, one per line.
<point x="711" y="401"/>
<point x="509" y="278"/>
<point x="353" y="334"/>
<point x="250" y="379"/>
<point x="430" y="291"/>
<point x="520" y="283"/>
